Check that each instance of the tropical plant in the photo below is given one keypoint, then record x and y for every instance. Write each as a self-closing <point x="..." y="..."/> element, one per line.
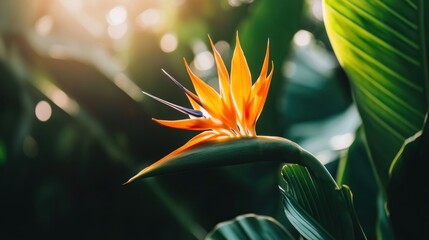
<point x="350" y="159"/>
<point x="383" y="47"/>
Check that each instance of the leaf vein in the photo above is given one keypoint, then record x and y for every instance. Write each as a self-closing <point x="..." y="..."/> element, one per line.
<point x="379" y="64"/>
<point x="398" y="15"/>
<point x="387" y="92"/>
<point x="382" y="24"/>
<point x="377" y="39"/>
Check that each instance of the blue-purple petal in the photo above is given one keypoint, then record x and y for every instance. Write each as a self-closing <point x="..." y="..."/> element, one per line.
<point x="181" y="109"/>
<point x="187" y="92"/>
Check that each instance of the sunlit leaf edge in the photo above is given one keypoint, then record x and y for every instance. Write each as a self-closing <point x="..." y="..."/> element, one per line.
<point x="250" y="226"/>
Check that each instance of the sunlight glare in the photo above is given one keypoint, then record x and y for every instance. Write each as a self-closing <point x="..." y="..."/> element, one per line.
<point x="325" y="157"/>
<point x="149" y="18"/>
<point x="72" y="5"/>
<point x="123" y="82"/>
<point x="58" y="51"/>
<point x="117" y="15"/>
<point x="43" y="111"/>
<point x="341" y="142"/>
<point x="117" y="31"/>
<point x="168" y="42"/>
<point x="62" y="100"/>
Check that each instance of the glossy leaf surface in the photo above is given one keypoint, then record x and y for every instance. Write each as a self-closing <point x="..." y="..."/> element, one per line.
<point x="239" y="151"/>
<point x="250" y="226"/>
<point x="383" y="47"/>
<point x="314" y="208"/>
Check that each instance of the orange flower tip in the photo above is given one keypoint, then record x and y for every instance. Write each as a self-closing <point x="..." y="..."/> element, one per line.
<point x="188" y="111"/>
<point x="138" y="175"/>
<point x="237" y="39"/>
<point x="129" y="181"/>
<point x="211" y="42"/>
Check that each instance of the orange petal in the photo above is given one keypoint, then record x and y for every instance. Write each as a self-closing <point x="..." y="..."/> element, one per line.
<point x="261" y="81"/>
<point x="241" y="80"/>
<point x="259" y="93"/>
<point x="222" y="72"/>
<point x="195" y="141"/>
<point x="210" y="99"/>
<point x="252" y="111"/>
<point x="264" y="69"/>
<point x="224" y="87"/>
<point x="194" y="104"/>
<point x="190" y="124"/>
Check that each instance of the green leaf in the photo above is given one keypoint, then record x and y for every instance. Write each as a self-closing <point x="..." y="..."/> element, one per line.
<point x="316" y="209"/>
<point x="383" y="47"/>
<point x="250" y="226"/>
<point x="408" y="193"/>
<point x="239" y="151"/>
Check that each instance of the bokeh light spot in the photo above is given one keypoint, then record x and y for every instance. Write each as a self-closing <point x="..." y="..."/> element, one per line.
<point x="204" y="61"/>
<point x="43" y="111"/>
<point x="168" y="42"/>
<point x="302" y="38"/>
<point x="317" y="9"/>
<point x="222" y="47"/>
<point x="149" y="18"/>
<point x="117" y="15"/>
<point x="44" y="25"/>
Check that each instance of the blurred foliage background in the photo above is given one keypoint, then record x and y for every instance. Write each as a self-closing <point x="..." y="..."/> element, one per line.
<point x="74" y="124"/>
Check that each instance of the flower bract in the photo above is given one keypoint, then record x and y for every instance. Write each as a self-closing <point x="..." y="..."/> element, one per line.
<point x="230" y="113"/>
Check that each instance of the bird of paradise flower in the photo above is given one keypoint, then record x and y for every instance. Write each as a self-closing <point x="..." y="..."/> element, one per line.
<point x="228" y="118"/>
<point x="230" y="114"/>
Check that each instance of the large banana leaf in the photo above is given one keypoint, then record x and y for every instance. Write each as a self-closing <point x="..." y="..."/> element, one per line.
<point x="250" y="226"/>
<point x="313" y="203"/>
<point x="239" y="151"/>
<point x="383" y="47"/>
<point x="317" y="210"/>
